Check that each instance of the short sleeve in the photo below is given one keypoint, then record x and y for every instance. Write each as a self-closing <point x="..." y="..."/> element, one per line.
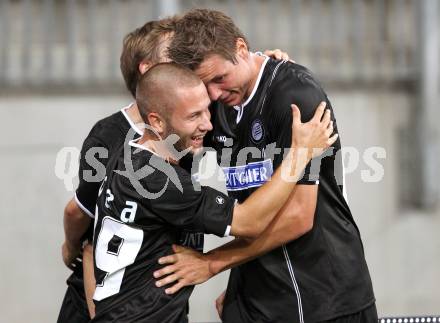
<point x="91" y="172"/>
<point x="182" y="205"/>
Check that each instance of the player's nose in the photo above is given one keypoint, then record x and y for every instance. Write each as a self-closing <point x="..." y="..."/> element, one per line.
<point x="206" y="124"/>
<point x="214" y="92"/>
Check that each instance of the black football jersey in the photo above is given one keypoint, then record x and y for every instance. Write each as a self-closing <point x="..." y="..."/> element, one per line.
<point x="103" y="140"/>
<point x="106" y="136"/>
<point x="323" y="274"/>
<point x="143" y="205"/>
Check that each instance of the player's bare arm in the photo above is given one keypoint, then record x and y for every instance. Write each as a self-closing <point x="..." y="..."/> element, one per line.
<point x="89" y="278"/>
<point x="76" y="223"/>
<point x="294" y="219"/>
<point x="192" y="267"/>
<point x="219" y="303"/>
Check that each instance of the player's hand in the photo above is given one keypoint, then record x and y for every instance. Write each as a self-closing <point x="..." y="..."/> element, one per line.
<point x="185" y="267"/>
<point x="71" y="255"/>
<point x="314" y="135"/>
<point x="277" y="54"/>
<point x="219" y="304"/>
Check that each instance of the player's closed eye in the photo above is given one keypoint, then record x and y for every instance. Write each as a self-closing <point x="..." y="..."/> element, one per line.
<point x="219" y="79"/>
<point x="194" y="115"/>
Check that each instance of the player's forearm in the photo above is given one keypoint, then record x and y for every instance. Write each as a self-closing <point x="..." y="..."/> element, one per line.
<point x="255" y="214"/>
<point x="89" y="278"/>
<point x="75" y="224"/>
<point x="284" y="228"/>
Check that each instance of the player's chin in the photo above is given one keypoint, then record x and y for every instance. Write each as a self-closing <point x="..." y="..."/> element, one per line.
<point x="196" y="146"/>
<point x="196" y="151"/>
<point x="232" y="100"/>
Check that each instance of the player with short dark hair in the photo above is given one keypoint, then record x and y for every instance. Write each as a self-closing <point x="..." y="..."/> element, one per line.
<point x="140" y="51"/>
<point x="319" y="272"/>
<point x="146" y="198"/>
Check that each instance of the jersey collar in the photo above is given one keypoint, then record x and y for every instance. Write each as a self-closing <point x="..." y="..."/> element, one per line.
<point x="132" y="124"/>
<point x="239" y="108"/>
<point x="134" y="143"/>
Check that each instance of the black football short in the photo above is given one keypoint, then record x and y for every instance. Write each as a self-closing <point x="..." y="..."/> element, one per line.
<point x="74" y="308"/>
<point x="368" y="315"/>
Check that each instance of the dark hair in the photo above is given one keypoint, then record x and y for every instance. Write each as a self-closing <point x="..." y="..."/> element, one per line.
<point x="202" y="32"/>
<point x="144" y="43"/>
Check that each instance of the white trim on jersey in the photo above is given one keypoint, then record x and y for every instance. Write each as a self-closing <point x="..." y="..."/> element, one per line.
<point x="295" y="284"/>
<point x="271" y="80"/>
<point x="344" y="186"/>
<point x="276" y="70"/>
<point x="82" y="207"/>
<point x="239" y="114"/>
<point x="133" y="143"/>
<point x="132" y="124"/>
<point x="240" y="107"/>
<point x="227" y="231"/>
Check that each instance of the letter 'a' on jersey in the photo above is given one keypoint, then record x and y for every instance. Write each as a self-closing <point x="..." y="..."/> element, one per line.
<point x="323" y="274"/>
<point x="143" y="206"/>
<point x="106" y="136"/>
<point x="102" y="142"/>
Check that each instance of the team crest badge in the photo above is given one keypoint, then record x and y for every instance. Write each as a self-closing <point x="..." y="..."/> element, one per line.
<point x="257" y="130"/>
<point x="220" y="200"/>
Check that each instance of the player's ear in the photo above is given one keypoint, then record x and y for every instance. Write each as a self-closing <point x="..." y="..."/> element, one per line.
<point x="144" y="66"/>
<point x="241" y="48"/>
<point x="156" y="121"/>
